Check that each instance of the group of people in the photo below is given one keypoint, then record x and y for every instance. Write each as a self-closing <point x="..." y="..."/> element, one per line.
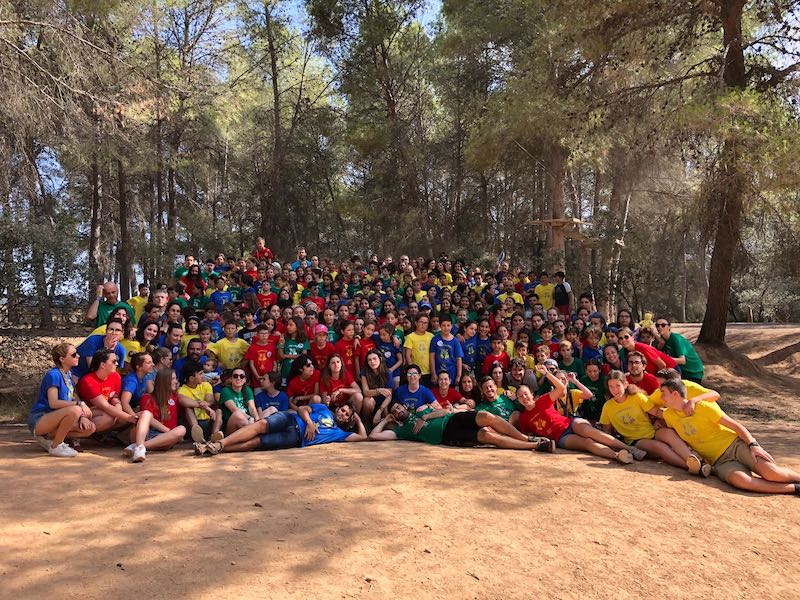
<point x="254" y="354"/>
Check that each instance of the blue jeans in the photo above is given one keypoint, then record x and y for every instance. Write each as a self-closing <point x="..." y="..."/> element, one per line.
<point x="281" y="433"/>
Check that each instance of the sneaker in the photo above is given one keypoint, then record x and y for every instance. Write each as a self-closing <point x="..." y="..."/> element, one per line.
<point x="62" y="451"/>
<point x="624" y="457"/>
<point x="694" y="464"/>
<point x="637" y="453"/>
<point x="128" y="451"/>
<point x="217" y="436"/>
<point x="197" y="434"/>
<point x="213" y="448"/>
<point x="42" y="441"/>
<point x="706" y="469"/>
<point x="139" y="454"/>
<point x="544" y="444"/>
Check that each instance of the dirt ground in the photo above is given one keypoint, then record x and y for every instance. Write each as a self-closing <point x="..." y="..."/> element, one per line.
<point x="385" y="520"/>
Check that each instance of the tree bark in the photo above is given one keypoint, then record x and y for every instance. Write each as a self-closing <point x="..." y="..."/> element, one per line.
<point x="728" y="190"/>
<point x="94" y="274"/>
<point x="123" y="249"/>
<point x="556" y="178"/>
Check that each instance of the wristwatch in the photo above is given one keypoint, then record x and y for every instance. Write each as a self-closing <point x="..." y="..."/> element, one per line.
<point x="753" y="443"/>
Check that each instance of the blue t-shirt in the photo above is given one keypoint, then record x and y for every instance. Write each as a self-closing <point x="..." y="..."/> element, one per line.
<point x="588" y="353"/>
<point x="484" y="348"/>
<point x="470" y="349"/>
<point x="388" y="351"/>
<point x="327" y="431"/>
<point x="137" y="388"/>
<point x="216" y="330"/>
<point x="53" y="378"/>
<point x="446" y="354"/>
<point x="413" y="400"/>
<point x="88" y="347"/>
<point x="175" y="349"/>
<point x="264" y="401"/>
<point x="221" y="298"/>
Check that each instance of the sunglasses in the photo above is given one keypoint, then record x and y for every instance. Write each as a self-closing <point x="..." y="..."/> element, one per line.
<point x="662" y="325"/>
<point x="624" y="337"/>
<point x="238" y="376"/>
<point x="73" y="355"/>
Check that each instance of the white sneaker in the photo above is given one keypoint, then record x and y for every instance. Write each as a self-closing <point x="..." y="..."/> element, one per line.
<point x="139" y="454"/>
<point x="62" y="450"/>
<point x="42" y="441"/>
<point x="128" y="451"/>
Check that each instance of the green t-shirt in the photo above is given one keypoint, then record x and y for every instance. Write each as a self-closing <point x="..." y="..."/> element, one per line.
<point x="240" y="399"/>
<point x="182" y="302"/>
<point x="576" y="367"/>
<point x="237" y="293"/>
<point x="431" y="432"/>
<point x="198" y="303"/>
<point x="676" y="346"/>
<point x="180" y="272"/>
<point x="291" y="347"/>
<point x="502" y="407"/>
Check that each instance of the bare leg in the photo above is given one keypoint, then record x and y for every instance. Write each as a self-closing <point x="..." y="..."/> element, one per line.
<point x="252" y="444"/>
<point x="673" y="440"/>
<point x="485" y="419"/>
<point x="59" y="422"/>
<point x="236" y="421"/>
<point x="142" y="428"/>
<point x="102" y="421"/>
<point x="217" y="421"/>
<point x="745" y="481"/>
<point x="584" y="444"/>
<point x="488" y="436"/>
<point x="584" y="429"/>
<point x="166" y="440"/>
<point x="662" y="451"/>
<point x="772" y="472"/>
<point x="245" y="434"/>
<point x="356" y="402"/>
<point x="367" y="409"/>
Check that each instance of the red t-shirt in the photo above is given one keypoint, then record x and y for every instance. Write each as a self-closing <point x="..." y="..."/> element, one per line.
<point x="280" y="327"/>
<point x="451" y="397"/>
<point x="332" y="385"/>
<point x="553" y="346"/>
<point x="320" y="356"/>
<point x="298" y="387"/>
<point x="263" y="253"/>
<point x="651" y="354"/>
<point x="268" y="299"/>
<point x="649" y="383"/>
<point x="346" y="349"/>
<point x="319" y="301"/>
<point x="148" y="402"/>
<point x="263" y="356"/>
<point x="544" y="419"/>
<point x="366" y="346"/>
<point x="490" y="359"/>
<point x="90" y="386"/>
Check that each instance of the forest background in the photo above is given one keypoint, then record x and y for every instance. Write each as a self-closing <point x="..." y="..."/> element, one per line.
<point x="649" y="147"/>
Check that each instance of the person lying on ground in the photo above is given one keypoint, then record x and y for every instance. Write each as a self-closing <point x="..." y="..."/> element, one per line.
<point x="725" y="443"/>
<point x="58" y="412"/>
<point x="313" y="424"/>
<point x="447" y="427"/>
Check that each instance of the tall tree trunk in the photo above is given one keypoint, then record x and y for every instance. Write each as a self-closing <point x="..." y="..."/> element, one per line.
<point x="275" y="184"/>
<point x="124" y="247"/>
<point x="728" y="190"/>
<point x="94" y="274"/>
<point x="556" y="178"/>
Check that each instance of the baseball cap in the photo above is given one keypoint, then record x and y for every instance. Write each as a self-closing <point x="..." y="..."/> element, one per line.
<point x="424" y="304"/>
<point x="550" y="363"/>
<point x="320" y="329"/>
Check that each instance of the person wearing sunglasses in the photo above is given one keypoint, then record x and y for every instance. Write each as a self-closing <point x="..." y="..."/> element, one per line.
<point x="656" y="360"/>
<point x="237" y="402"/>
<point x="57" y="412"/>
<point x="100" y="389"/>
<point x="681" y="349"/>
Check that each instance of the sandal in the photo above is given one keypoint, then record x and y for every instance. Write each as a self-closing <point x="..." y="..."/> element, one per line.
<point x="624" y="457"/>
<point x="694" y="465"/>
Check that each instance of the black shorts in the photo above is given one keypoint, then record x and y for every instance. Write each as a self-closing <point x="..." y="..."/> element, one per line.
<point x="462" y="430"/>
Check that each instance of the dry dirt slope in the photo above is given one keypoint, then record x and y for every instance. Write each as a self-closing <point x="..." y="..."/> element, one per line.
<point x="394" y="520"/>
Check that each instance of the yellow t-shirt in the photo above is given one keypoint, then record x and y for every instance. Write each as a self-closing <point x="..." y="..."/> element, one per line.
<point x="629" y="417"/>
<point x="131" y="347"/>
<point x="229" y="353"/>
<point x="514" y="296"/>
<point x="569" y="406"/>
<point x="510" y="347"/>
<point x="702" y="430"/>
<point x="546" y="295"/>
<point x="137" y="303"/>
<point x="693" y="390"/>
<point x="418" y="296"/>
<point x="420" y="346"/>
<point x="188" y="337"/>
<point x="198" y="394"/>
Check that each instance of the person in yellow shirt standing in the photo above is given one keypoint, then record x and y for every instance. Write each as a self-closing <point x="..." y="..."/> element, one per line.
<point x="545" y="291"/>
<point x="726" y="444"/>
<point x="231" y="349"/>
<point x="509" y="292"/>
<point x="417" y="346"/>
<point x="138" y="302"/>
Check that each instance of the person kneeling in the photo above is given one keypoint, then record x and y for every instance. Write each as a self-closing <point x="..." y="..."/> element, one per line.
<point x="726" y="444"/>
<point x="450" y="428"/>
<point x="313" y="424"/>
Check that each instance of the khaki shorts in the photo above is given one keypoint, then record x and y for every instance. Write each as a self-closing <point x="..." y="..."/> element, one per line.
<point x="736" y="458"/>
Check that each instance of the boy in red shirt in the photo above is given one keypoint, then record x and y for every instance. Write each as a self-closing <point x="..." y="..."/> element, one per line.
<point x="448" y="396"/>
<point x="497" y="354"/>
<point x="321" y="350"/>
<point x="261" y="354"/>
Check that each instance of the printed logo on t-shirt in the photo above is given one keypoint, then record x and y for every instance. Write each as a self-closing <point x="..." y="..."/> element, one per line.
<point x="171" y="402"/>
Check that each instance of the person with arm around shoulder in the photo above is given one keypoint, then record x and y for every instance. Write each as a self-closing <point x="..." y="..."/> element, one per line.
<point x="58" y="413"/>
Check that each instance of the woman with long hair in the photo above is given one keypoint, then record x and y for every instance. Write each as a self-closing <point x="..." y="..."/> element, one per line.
<point x="237" y="402"/>
<point x="376" y="384"/>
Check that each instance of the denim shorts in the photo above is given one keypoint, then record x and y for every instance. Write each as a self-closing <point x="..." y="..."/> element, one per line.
<point x="561" y="441"/>
<point x="282" y="432"/>
<point x="33" y="419"/>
